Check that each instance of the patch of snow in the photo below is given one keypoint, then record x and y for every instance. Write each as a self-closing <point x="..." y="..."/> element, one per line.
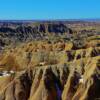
<point x="81" y="80"/>
<point x="6" y="74"/>
<point x="12" y="72"/>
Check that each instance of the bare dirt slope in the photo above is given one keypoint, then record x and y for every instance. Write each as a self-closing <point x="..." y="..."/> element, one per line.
<point x="52" y="69"/>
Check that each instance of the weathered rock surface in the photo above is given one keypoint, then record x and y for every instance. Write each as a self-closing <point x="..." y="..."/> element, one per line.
<point x="56" y="82"/>
<point x="49" y="69"/>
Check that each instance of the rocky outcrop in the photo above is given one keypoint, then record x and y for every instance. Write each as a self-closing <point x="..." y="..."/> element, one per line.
<point x="42" y="75"/>
<point x="31" y="32"/>
<point x="58" y="68"/>
<point x="59" y="82"/>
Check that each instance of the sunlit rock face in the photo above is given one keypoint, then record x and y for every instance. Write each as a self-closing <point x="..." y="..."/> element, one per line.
<point x="63" y="66"/>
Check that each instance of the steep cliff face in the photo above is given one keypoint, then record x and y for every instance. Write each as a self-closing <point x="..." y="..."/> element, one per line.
<point x="56" y="69"/>
<point x="60" y="82"/>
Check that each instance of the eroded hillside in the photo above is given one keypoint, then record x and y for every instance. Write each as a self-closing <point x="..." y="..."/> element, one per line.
<point x="56" y="68"/>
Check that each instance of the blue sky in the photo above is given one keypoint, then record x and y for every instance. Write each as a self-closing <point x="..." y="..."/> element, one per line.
<point x="49" y="9"/>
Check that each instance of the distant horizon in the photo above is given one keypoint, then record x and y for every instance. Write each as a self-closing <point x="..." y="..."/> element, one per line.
<point x="76" y="19"/>
<point x="57" y="19"/>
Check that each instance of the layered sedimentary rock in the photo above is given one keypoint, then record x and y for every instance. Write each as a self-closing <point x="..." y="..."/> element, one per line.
<point x="56" y="82"/>
<point x="51" y="69"/>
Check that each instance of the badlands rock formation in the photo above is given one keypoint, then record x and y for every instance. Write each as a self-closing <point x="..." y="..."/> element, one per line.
<point x="56" y="68"/>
